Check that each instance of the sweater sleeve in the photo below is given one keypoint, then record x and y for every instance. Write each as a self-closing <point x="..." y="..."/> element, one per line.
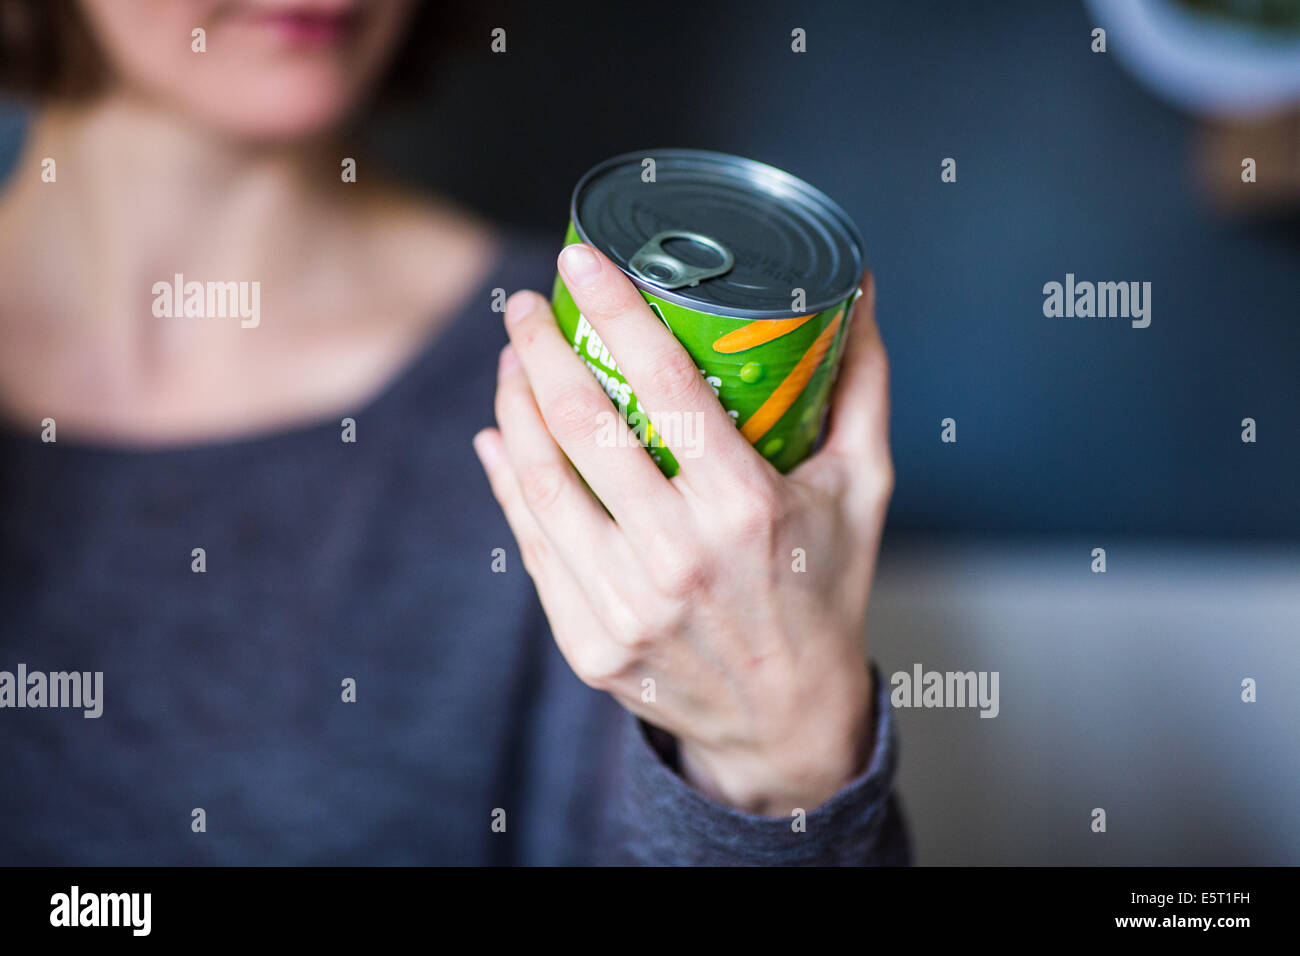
<point x="664" y="821"/>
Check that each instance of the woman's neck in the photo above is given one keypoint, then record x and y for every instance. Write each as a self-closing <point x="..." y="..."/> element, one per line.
<point x="349" y="275"/>
<point x="139" y="195"/>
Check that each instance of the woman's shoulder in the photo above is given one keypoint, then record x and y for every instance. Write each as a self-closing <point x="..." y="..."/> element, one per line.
<point x="520" y="259"/>
<point x="431" y="237"/>
<point x="457" y="363"/>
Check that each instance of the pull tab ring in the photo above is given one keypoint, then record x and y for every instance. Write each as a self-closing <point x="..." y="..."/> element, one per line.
<point x="654" y="265"/>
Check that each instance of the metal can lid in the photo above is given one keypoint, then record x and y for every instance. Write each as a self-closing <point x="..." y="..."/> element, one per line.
<point x="719" y="234"/>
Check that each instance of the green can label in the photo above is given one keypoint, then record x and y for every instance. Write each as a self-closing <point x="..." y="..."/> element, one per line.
<point x="773" y="376"/>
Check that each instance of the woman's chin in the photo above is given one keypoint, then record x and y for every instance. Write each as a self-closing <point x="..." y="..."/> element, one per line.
<point x="274" y="112"/>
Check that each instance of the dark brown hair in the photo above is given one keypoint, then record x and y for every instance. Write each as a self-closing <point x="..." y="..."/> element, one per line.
<point x="47" y="48"/>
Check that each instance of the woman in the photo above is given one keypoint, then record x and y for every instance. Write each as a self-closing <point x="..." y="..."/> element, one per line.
<point x="263" y="526"/>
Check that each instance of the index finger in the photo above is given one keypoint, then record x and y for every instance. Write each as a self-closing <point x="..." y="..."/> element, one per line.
<point x="668" y="384"/>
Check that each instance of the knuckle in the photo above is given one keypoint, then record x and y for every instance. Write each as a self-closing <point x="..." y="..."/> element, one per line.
<point x="638" y="637"/>
<point x="681" y="574"/>
<point x="535" y="553"/>
<point x="627" y="617"/>
<point x="880" y="482"/>
<point x="671" y="618"/>
<point x="757" y="513"/>
<point x="598" y="666"/>
<point x="675" y="379"/>
<point x="639" y="615"/>
<point x="573" y="414"/>
<point x="888" y="480"/>
<point x="542" y="485"/>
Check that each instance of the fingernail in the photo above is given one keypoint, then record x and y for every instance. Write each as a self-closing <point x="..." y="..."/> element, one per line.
<point x="579" y="263"/>
<point x="509" y="360"/>
<point x="517" y="306"/>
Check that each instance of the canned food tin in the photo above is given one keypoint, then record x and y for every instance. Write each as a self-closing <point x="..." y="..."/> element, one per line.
<point x="754" y="271"/>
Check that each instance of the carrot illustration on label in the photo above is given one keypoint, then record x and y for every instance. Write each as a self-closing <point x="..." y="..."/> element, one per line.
<point x="759" y="332"/>
<point x="785" y="394"/>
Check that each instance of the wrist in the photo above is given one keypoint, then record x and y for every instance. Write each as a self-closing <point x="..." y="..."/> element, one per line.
<point x="802" y="772"/>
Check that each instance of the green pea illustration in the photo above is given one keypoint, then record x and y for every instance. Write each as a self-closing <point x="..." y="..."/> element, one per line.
<point x="751" y="372"/>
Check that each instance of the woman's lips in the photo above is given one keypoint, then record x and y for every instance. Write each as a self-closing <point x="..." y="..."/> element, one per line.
<point x="307" y="27"/>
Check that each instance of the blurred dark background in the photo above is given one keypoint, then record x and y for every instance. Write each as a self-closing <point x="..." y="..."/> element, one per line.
<point x="1065" y="164"/>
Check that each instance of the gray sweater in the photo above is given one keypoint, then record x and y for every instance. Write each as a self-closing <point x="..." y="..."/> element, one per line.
<point x="327" y="561"/>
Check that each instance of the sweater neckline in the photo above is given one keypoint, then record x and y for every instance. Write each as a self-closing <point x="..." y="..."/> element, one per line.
<point x="414" y="369"/>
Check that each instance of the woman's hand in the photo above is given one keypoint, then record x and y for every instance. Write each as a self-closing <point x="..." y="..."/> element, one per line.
<point x="759" y="669"/>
